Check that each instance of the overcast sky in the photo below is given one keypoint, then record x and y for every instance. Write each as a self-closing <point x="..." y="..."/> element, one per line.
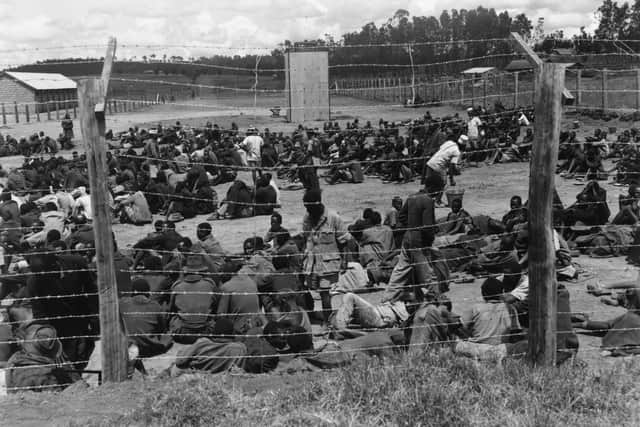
<point x="28" y="24"/>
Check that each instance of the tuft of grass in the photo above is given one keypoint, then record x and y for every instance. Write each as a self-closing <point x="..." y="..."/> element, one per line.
<point x="436" y="388"/>
<point x="195" y="401"/>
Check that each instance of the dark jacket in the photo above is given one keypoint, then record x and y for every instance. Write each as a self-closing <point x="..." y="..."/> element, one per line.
<point x="146" y="325"/>
<point x="418" y="216"/>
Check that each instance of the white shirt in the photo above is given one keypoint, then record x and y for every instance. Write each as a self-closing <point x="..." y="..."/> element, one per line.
<point x="521" y="292"/>
<point x="523" y="120"/>
<point x="473" y="126"/>
<point x="83" y="204"/>
<point x="253" y="144"/>
<point x="448" y="154"/>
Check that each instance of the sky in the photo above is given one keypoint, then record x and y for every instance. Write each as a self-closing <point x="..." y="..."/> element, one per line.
<point x="83" y="26"/>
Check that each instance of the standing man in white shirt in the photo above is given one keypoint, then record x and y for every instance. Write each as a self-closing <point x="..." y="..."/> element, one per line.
<point x="443" y="163"/>
<point x="252" y="144"/>
<point x="473" y="128"/>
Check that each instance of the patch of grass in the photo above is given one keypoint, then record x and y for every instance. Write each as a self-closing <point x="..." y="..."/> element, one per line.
<point x="434" y="389"/>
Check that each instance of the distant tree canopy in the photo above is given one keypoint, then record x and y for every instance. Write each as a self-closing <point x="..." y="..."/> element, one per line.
<point x="398" y="31"/>
<point x="616" y="21"/>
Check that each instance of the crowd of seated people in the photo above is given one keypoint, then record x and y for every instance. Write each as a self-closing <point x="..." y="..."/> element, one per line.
<point x="254" y="310"/>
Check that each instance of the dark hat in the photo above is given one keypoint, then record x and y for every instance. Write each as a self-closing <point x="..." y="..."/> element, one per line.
<point x="41" y="340"/>
<point x="140" y="286"/>
<point x="195" y="263"/>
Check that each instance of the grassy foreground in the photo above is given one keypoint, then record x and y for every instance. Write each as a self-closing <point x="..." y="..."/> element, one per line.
<point x="437" y="389"/>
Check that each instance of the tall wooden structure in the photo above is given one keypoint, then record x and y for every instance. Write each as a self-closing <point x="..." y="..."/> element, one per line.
<point x="307" y="85"/>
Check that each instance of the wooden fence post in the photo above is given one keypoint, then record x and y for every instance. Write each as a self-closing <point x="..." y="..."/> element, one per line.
<point x="48" y="110"/>
<point x="57" y="109"/>
<point x="91" y="97"/>
<point x="484" y="92"/>
<point x="26" y="112"/>
<point x="4" y="115"/>
<point x="543" y="296"/>
<point x="516" y="82"/>
<point x="75" y="111"/>
<point x="579" y="87"/>
<point x="37" y="107"/>
<point x="605" y="97"/>
<point x="638" y="89"/>
<point x="473" y="91"/>
<point x="15" y="108"/>
<point x="66" y="106"/>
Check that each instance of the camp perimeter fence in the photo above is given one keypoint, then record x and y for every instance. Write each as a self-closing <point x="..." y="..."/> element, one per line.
<point x="462" y="73"/>
<point x="57" y="110"/>
<point x="517" y="87"/>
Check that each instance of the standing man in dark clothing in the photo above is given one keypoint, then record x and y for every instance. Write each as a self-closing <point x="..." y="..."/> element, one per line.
<point x="414" y="271"/>
<point x="67" y="128"/>
<point x="66" y="295"/>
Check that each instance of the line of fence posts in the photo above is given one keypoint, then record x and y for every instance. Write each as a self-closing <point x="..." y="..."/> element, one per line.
<point x="511" y="88"/>
<point x="32" y="111"/>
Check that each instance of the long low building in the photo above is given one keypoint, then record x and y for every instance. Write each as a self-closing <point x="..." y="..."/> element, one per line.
<point x="47" y="91"/>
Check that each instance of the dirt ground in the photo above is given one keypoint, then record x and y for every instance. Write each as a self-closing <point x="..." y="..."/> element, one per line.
<point x="487" y="191"/>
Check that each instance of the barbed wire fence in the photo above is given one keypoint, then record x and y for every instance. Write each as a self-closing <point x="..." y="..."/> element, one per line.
<point x="379" y="89"/>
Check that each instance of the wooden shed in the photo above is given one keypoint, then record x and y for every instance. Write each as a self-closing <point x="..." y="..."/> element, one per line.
<point x="38" y="89"/>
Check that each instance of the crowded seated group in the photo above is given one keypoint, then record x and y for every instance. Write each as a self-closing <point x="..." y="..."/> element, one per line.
<point x="288" y="302"/>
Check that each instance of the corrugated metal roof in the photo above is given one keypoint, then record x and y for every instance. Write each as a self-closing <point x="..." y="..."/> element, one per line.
<point x="478" y="70"/>
<point x="44" y="81"/>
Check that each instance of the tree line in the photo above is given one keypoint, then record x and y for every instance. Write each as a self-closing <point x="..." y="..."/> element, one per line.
<point x="401" y="40"/>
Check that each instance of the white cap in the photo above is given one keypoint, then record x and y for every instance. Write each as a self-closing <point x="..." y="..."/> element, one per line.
<point x="463" y="139"/>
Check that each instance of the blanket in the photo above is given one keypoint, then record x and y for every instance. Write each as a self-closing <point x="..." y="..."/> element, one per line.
<point x="609" y="240"/>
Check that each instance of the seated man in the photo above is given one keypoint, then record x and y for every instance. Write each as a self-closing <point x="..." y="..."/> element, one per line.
<point x="591" y="207"/>
<point x="265" y="197"/>
<point x="275" y="227"/>
<point x="629" y="209"/>
<point x="239" y="301"/>
<point x="193" y="300"/>
<point x="383" y="315"/>
<point x="40" y="363"/>
<point x="492" y="321"/>
<point x="517" y="213"/>
<point x="238" y="203"/>
<point x="285" y="278"/>
<point x="213" y="252"/>
<point x="158" y="281"/>
<point x="433" y="324"/>
<point x="216" y="352"/>
<point x="53" y="219"/>
<point x="145" y="321"/>
<point x="458" y="220"/>
<point x="133" y="208"/>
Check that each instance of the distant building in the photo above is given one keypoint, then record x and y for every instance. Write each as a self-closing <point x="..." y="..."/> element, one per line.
<point x="518" y="65"/>
<point x="39" y="89"/>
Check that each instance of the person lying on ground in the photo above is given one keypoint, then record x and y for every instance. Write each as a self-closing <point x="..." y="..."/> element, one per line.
<point x="620" y="335"/>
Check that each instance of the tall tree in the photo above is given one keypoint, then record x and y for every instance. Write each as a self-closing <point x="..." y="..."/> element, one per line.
<point x="613" y="20"/>
<point x="522" y="25"/>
